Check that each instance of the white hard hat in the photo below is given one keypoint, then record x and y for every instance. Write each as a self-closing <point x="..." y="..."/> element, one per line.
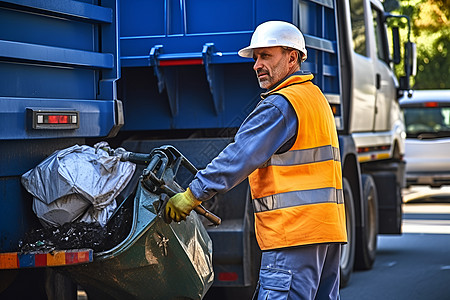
<point x="275" y="33"/>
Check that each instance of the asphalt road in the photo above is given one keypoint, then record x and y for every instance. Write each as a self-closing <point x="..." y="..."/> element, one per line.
<point x="416" y="264"/>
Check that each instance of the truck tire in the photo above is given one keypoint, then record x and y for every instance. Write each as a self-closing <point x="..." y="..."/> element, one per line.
<point x="348" y="250"/>
<point x="366" y="236"/>
<point x="389" y="202"/>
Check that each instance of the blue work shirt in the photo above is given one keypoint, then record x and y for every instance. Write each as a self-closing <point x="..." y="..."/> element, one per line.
<point x="270" y="128"/>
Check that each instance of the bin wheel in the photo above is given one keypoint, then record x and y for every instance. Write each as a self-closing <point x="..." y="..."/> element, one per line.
<point x="366" y="241"/>
<point x="348" y="250"/>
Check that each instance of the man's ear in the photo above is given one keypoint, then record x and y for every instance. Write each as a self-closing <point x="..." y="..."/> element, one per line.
<point x="293" y="57"/>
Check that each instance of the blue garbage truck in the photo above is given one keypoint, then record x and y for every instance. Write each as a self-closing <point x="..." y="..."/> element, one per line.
<point x="145" y="74"/>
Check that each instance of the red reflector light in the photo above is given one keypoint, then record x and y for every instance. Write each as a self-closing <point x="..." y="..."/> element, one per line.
<point x="57" y="119"/>
<point x="431" y="104"/>
<point x="53" y="119"/>
<point x="228" y="276"/>
<point x="181" y="62"/>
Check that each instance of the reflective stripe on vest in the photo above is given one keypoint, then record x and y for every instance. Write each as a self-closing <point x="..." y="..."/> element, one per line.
<point x="297" y="198"/>
<point x="305" y="156"/>
<point x="297" y="195"/>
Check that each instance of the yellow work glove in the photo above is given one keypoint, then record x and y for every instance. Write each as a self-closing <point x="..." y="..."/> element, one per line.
<point x="180" y="206"/>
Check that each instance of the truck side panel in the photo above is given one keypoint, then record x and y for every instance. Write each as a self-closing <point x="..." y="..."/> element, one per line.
<point x="56" y="57"/>
<point x="180" y="64"/>
<point x="58" y="68"/>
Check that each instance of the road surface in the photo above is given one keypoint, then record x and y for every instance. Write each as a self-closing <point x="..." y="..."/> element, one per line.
<point x="415" y="265"/>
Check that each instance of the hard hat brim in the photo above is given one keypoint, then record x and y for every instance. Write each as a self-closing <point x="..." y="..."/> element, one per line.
<point x="246" y="52"/>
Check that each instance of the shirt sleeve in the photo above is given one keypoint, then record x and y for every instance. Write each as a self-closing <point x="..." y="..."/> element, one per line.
<point x="271" y="125"/>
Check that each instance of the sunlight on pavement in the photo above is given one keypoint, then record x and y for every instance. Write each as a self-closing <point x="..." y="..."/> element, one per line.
<point x="426" y="226"/>
<point x="418" y="192"/>
<point x="427" y="208"/>
<point x="426" y="218"/>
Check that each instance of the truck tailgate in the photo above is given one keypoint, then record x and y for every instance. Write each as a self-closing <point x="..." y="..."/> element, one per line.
<point x="57" y="59"/>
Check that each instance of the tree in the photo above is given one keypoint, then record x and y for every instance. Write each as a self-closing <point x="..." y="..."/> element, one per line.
<point x="431" y="32"/>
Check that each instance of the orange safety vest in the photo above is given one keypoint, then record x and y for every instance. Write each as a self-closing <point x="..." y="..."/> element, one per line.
<point x="297" y="195"/>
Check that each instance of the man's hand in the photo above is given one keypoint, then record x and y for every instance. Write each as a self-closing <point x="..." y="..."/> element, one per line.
<point x="180" y="206"/>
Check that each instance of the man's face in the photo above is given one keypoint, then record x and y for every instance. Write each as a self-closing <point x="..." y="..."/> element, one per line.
<point x="271" y="65"/>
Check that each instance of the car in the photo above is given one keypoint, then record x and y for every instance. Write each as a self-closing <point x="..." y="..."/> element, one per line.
<point x="427" y="144"/>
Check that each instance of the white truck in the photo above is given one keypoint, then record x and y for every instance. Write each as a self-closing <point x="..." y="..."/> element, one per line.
<point x="373" y="127"/>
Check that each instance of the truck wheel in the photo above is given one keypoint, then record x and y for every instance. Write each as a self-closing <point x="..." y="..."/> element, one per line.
<point x="366" y="241"/>
<point x="389" y="201"/>
<point x="348" y="250"/>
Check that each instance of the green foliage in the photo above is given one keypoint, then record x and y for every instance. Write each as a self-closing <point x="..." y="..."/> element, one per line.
<point x="431" y="32"/>
<point x="434" y="64"/>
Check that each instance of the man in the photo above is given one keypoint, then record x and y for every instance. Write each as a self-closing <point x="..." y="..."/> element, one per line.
<point x="288" y="148"/>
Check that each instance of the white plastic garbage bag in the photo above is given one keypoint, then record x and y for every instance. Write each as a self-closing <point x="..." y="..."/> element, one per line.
<point x="77" y="184"/>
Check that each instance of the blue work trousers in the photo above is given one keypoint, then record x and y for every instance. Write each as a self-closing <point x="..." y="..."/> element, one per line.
<point x="300" y="273"/>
